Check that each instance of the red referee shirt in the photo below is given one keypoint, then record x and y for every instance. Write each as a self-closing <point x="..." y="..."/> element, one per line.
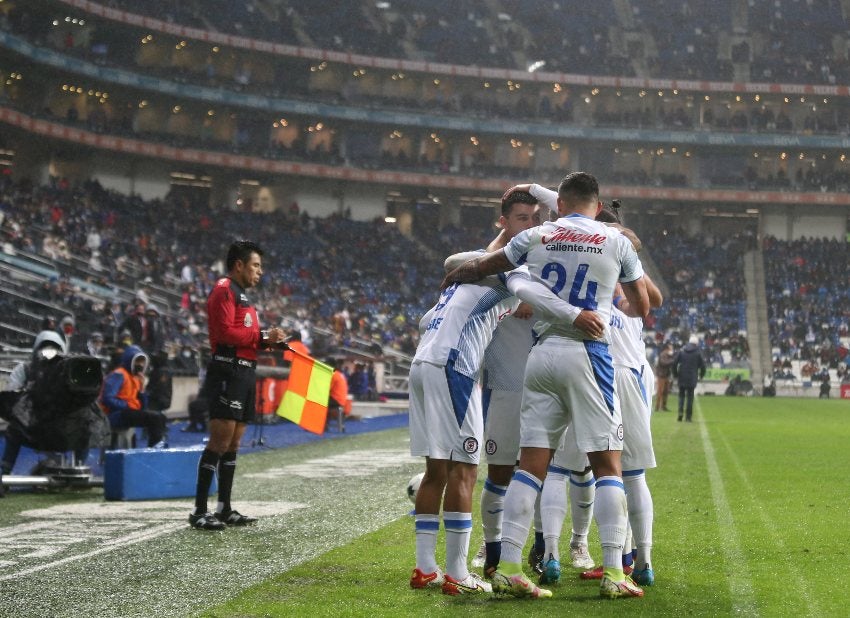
<point x="233" y="324"/>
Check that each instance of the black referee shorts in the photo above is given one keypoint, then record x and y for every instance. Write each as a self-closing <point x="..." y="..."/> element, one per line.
<point x="231" y="391"/>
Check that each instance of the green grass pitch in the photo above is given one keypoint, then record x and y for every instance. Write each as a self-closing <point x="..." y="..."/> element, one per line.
<point x="751" y="513"/>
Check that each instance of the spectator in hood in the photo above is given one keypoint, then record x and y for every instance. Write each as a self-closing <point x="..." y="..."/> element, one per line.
<point x="124" y="399"/>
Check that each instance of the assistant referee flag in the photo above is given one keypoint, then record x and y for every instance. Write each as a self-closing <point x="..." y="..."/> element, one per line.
<point x="305" y="401"/>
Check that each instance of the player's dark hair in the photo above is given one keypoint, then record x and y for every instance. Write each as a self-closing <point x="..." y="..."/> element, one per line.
<point x="579" y="188"/>
<point x="517" y="197"/>
<point x="610" y="213"/>
<point x="240" y="251"/>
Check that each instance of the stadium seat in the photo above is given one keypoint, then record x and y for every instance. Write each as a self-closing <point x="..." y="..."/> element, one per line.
<point x="119" y="439"/>
<point x="337" y="413"/>
<point x="123" y="438"/>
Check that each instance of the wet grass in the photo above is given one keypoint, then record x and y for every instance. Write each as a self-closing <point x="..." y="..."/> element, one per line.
<point x="750" y="513"/>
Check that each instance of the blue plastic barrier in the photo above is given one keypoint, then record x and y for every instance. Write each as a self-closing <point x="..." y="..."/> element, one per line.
<point x="152" y="474"/>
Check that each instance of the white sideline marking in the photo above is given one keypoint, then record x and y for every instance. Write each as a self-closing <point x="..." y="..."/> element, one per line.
<point x="58" y="528"/>
<point x="775" y="537"/>
<point x="738" y="575"/>
<point x="131" y="539"/>
<point x="349" y="463"/>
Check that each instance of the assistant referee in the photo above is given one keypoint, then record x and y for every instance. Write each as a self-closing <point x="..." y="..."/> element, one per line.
<point x="229" y="386"/>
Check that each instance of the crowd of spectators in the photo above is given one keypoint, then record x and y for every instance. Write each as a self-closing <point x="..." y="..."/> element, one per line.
<point x="687" y="37"/>
<point x="707" y="294"/>
<point x="364" y="281"/>
<point x="362" y="147"/>
<point x="254" y="134"/>
<point x="786" y="55"/>
<point x="701" y="39"/>
<point x="808" y="289"/>
<point x="352" y="279"/>
<point x="290" y="77"/>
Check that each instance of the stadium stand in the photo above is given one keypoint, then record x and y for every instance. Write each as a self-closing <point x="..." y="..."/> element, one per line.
<point x="809" y="307"/>
<point x="706" y="283"/>
<point x="278" y="81"/>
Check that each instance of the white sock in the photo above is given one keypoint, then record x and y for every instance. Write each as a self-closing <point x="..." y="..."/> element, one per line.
<point x="553" y="509"/>
<point x="523" y="492"/>
<point x="610" y="512"/>
<point x="582" y="494"/>
<point x="492" y="507"/>
<point x="458" y="527"/>
<point x="538" y="516"/>
<point x="641" y="515"/>
<point x="427" y="527"/>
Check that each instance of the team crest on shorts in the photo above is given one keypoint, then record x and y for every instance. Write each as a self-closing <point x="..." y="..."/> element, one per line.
<point x="470" y="445"/>
<point x="248" y="322"/>
<point x="490" y="447"/>
<point x="620" y="431"/>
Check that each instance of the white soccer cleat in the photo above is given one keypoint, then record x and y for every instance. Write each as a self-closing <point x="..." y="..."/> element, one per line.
<point x="580" y="558"/>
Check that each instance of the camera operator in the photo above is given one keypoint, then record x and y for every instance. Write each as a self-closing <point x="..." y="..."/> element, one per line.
<point x="43" y="412"/>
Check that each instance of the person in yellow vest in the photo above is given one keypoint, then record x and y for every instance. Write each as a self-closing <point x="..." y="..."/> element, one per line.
<point x="123" y="397"/>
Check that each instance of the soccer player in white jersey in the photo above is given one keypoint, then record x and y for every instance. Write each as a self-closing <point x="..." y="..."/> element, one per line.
<point x="628" y="353"/>
<point x="631" y="372"/>
<point x="504" y="367"/>
<point x="446" y="419"/>
<point x="569" y="376"/>
<point x="630" y="365"/>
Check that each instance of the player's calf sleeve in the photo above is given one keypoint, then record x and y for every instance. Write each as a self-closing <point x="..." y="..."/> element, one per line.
<point x="641" y="515"/>
<point x="206" y="472"/>
<point x="427" y="527"/>
<point x="553" y="508"/>
<point x="582" y="495"/>
<point x="519" y="504"/>
<point x="458" y="527"/>
<point x="610" y="513"/>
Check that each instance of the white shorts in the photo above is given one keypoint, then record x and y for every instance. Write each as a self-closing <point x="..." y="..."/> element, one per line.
<point x="568" y="456"/>
<point x="638" y="453"/>
<point x="501" y="426"/>
<point x="570" y="382"/>
<point x="649" y="384"/>
<point x="446" y="421"/>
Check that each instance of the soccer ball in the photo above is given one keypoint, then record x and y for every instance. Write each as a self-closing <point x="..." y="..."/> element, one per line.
<point x="413" y="487"/>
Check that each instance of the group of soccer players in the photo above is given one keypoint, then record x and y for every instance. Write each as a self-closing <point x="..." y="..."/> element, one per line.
<point x="548" y="317"/>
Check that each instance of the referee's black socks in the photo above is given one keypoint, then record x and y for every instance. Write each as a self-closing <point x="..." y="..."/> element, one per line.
<point x="226" y="471"/>
<point x="206" y="471"/>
